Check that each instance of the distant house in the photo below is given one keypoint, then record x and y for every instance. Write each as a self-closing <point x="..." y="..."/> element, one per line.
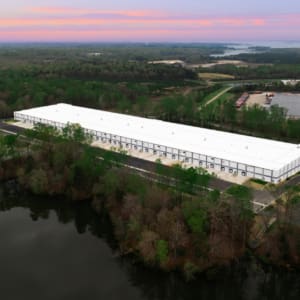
<point x="95" y="54"/>
<point x="291" y="82"/>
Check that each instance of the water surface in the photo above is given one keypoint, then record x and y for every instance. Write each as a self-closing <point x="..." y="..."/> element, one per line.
<point x="247" y="48"/>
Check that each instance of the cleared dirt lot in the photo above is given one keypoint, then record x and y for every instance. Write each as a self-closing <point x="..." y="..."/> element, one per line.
<point x="223" y="62"/>
<point x="258" y="99"/>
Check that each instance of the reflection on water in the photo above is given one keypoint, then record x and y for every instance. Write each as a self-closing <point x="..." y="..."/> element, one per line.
<point x="51" y="249"/>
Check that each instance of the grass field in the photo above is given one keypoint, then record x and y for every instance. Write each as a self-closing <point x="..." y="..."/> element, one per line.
<point x="214" y="76"/>
<point x="222" y="94"/>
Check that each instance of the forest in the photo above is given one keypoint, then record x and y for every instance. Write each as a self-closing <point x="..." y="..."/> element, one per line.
<point x="28" y="54"/>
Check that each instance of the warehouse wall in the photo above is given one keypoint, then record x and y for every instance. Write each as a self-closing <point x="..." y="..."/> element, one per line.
<point x="196" y="159"/>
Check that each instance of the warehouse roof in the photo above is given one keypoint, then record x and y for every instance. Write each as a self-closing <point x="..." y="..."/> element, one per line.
<point x="253" y="151"/>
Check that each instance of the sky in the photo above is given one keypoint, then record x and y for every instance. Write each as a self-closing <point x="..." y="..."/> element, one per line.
<point x="149" y="21"/>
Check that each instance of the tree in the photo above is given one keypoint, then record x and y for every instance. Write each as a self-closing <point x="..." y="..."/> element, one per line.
<point x="5" y="110"/>
<point x="195" y="216"/>
<point x="8" y="145"/>
<point x="43" y="132"/>
<point x="38" y="181"/>
<point x="162" y="251"/>
<point x="171" y="227"/>
<point x="75" y="133"/>
<point x="10" y="142"/>
<point x="291" y="198"/>
<point x="241" y="208"/>
<point x="190" y="270"/>
<point x="147" y="245"/>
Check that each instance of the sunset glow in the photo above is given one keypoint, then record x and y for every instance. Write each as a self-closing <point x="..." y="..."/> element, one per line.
<point x="143" y="23"/>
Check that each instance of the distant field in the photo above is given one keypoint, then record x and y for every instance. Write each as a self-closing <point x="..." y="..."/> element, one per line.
<point x="214" y="76"/>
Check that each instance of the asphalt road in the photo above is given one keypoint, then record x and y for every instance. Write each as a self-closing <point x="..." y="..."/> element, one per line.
<point x="10" y="128"/>
<point x="218" y="95"/>
<point x="295" y="180"/>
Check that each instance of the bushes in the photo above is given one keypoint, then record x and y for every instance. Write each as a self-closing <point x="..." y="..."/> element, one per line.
<point x="259" y="181"/>
<point x="38" y="181"/>
<point x="195" y="216"/>
<point x="190" y="270"/>
<point x="162" y="251"/>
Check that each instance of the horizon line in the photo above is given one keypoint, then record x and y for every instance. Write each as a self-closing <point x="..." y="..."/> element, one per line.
<point x="153" y="42"/>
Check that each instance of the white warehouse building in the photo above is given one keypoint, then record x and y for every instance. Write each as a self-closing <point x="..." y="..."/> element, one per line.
<point x="264" y="159"/>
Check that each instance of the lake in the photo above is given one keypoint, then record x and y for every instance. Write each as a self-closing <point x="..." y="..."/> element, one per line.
<point x="51" y="249"/>
<point x="235" y="50"/>
<point x="247" y="47"/>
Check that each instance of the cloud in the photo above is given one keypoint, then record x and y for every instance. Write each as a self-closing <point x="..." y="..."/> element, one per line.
<point x="134" y="34"/>
<point x="52" y="10"/>
<point x="168" y="21"/>
<point x="258" y="22"/>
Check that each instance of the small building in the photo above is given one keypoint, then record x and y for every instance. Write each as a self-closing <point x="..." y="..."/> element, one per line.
<point x="242" y="100"/>
<point x="291" y="82"/>
<point x="264" y="159"/>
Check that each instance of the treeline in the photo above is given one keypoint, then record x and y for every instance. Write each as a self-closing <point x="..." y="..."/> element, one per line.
<point x="114" y="70"/>
<point x="106" y="70"/>
<point x="59" y="53"/>
<point x="267" y="86"/>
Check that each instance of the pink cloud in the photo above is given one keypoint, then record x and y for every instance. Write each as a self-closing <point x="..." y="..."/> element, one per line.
<point x="259" y="22"/>
<point x="204" y="34"/>
<point x="52" y="10"/>
<point x="233" y="22"/>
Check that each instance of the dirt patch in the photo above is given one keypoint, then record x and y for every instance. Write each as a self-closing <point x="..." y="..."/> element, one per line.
<point x="223" y="62"/>
<point x="256" y="99"/>
<point x="214" y="76"/>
